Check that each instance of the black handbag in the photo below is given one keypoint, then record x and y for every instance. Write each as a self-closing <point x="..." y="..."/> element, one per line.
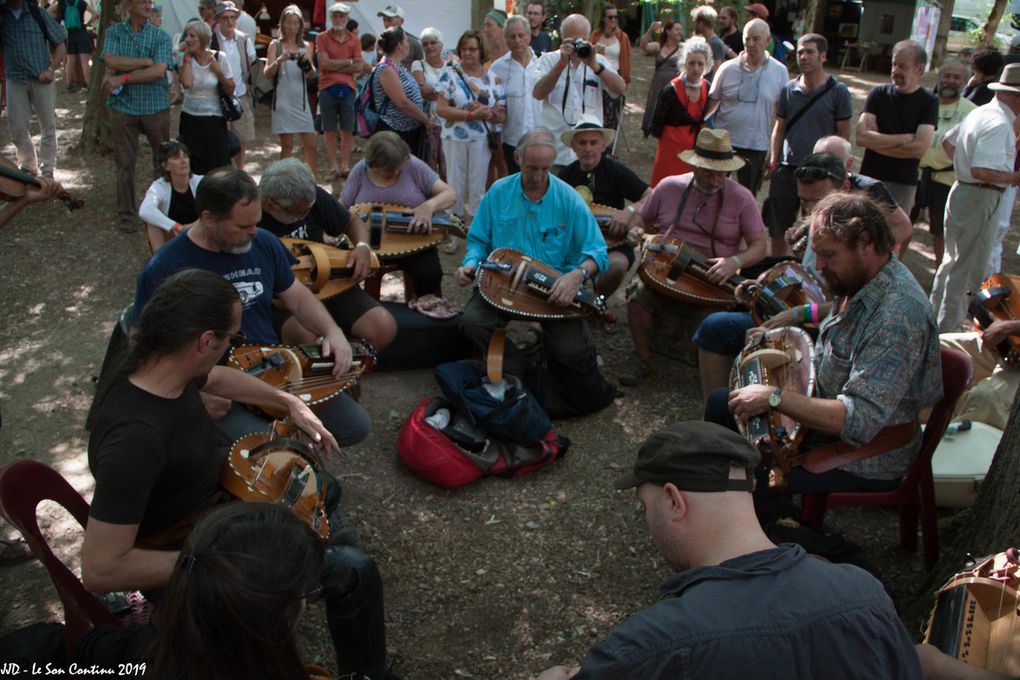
<point x="229" y="104"/>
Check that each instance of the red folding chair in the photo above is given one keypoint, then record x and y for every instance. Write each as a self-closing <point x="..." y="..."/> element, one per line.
<point x="23" y="485"/>
<point x="917" y="491"/>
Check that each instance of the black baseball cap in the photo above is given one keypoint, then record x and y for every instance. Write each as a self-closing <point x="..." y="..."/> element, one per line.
<point x="694" y="456"/>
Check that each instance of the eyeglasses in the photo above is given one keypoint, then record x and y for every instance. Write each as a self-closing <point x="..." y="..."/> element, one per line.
<point x="236" y="339"/>
<point x="813" y="173"/>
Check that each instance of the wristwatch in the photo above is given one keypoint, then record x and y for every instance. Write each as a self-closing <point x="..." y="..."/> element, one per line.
<point x="776" y="398"/>
<point x="585" y="274"/>
<point x="363" y="244"/>
<point x="601" y="69"/>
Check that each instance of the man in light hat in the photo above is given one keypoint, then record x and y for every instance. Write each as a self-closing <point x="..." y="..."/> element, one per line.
<point x="603" y="180"/>
<point x="738" y="605"/>
<point x="240" y="52"/>
<point x="393" y="15"/>
<point x="709" y="212"/>
<point x="340" y="61"/>
<point x="984" y="157"/>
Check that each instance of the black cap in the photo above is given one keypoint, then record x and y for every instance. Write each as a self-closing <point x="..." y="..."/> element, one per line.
<point x="694" y="456"/>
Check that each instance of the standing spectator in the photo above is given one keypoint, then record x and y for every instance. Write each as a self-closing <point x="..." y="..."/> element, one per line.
<point x="540" y="40"/>
<point x="395" y="92"/>
<point x="169" y="204"/>
<point x="369" y="55"/>
<point x="240" y="52"/>
<point x="936" y="167"/>
<point x="492" y="32"/>
<point x="246" y="24"/>
<point x="813" y="106"/>
<point x="570" y="85"/>
<point x="393" y="17"/>
<point x="667" y="57"/>
<point x="79" y="40"/>
<point x="290" y="61"/>
<point x="612" y="43"/>
<point x="985" y="151"/>
<point x="986" y="64"/>
<point x="471" y="101"/>
<point x="679" y="112"/>
<point x="427" y="72"/>
<point x="202" y="127"/>
<point x="898" y="123"/>
<point x="137" y="54"/>
<point x="207" y="11"/>
<point x="339" y="53"/>
<point x="28" y="34"/>
<point x="517" y="70"/>
<point x="731" y="35"/>
<point x="704" y="18"/>
<point x="745" y="93"/>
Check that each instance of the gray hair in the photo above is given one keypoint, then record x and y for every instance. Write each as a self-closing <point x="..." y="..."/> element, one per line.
<point x="538" y="136"/>
<point x="704" y="14"/>
<point x="432" y="32"/>
<point x="200" y="29"/>
<point x="519" y="19"/>
<point x="757" y="23"/>
<point x="578" y="21"/>
<point x="695" y="45"/>
<point x="288" y="182"/>
<point x="835" y="145"/>
<point x="386" y="150"/>
<point x="956" y="62"/>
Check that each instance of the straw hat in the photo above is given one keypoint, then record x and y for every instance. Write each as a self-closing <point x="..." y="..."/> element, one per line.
<point x="712" y="151"/>
<point x="588" y="123"/>
<point x="1009" y="81"/>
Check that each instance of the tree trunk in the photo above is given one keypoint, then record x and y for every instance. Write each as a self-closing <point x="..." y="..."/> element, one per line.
<point x="992" y="25"/>
<point x="991" y="526"/>
<point x="942" y="34"/>
<point x="95" y="131"/>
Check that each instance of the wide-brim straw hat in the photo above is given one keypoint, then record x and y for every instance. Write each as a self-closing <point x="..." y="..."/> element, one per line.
<point x="712" y="151"/>
<point x="1009" y="81"/>
<point x="588" y="123"/>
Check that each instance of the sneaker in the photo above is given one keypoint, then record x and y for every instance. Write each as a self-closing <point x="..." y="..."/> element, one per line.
<point x="128" y="226"/>
<point x="634" y="373"/>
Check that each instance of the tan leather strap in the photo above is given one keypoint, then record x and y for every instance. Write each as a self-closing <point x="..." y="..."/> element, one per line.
<point x="322" y="267"/>
<point x="839" y="454"/>
<point x="494" y="356"/>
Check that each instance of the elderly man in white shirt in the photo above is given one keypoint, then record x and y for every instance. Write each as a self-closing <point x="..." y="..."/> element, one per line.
<point x="516" y="70"/>
<point x="570" y="85"/>
<point x="744" y="95"/>
<point x="983" y="149"/>
<point x="233" y="43"/>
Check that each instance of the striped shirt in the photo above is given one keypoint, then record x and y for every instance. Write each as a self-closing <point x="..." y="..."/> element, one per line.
<point x="139" y="99"/>
<point x="26" y="49"/>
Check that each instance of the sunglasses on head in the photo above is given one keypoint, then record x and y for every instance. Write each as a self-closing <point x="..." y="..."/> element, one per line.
<point x="813" y="174"/>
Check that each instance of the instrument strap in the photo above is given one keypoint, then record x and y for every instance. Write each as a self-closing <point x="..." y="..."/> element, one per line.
<point x="683" y="203"/>
<point x="494" y="356"/>
<point x="322" y="268"/>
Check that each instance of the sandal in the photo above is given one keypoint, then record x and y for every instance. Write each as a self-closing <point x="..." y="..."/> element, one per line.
<point x="14" y="551"/>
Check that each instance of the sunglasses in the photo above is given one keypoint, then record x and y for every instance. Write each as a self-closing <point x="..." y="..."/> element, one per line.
<point x="813" y="174"/>
<point x="238" y="338"/>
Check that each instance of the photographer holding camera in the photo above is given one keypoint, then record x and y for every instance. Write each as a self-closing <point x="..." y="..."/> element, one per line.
<point x="289" y="62"/>
<point x="570" y="83"/>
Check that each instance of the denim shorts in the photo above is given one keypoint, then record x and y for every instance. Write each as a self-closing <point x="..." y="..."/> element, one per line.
<point x="723" y="332"/>
<point x="337" y="109"/>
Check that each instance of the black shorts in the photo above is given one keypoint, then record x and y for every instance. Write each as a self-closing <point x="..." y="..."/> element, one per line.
<point x="79" y="42"/>
<point x="627" y="250"/>
<point x="345" y="309"/>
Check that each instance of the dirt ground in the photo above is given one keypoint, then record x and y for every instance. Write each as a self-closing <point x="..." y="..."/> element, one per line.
<point x="499" y="579"/>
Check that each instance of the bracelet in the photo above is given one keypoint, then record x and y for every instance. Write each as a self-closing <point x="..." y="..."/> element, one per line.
<point x="736" y="260"/>
<point x="814" y="314"/>
<point x="468" y="116"/>
<point x="560" y="65"/>
<point x="361" y="244"/>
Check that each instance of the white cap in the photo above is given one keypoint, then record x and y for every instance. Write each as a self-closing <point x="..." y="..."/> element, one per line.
<point x="391" y="11"/>
<point x="339" y="7"/>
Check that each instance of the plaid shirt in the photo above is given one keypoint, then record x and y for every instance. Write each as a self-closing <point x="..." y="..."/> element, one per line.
<point x="139" y="99"/>
<point x="26" y="50"/>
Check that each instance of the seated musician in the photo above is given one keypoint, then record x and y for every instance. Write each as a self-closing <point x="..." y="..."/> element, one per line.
<point x="709" y="212"/>
<point x="155" y="455"/>
<point x="877" y="358"/>
<point x="226" y="241"/>
<point x="294" y="206"/>
<point x="541" y="216"/>
<point x="169" y="203"/>
<point x="604" y="180"/>
<point x="993" y="388"/>
<point x="390" y="174"/>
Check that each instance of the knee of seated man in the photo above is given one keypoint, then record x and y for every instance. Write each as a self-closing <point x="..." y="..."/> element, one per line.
<point x="723" y="333"/>
<point x="346" y="420"/>
<point x="377" y="326"/>
<point x="348" y="571"/>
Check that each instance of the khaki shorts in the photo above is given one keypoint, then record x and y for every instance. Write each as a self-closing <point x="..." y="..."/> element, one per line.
<point x="244" y="127"/>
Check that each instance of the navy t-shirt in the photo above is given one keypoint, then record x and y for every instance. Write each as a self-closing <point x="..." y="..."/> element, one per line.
<point x="264" y="271"/>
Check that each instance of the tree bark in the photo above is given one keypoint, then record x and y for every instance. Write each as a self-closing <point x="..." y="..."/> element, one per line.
<point x="990" y="526"/>
<point x="992" y="25"/>
<point x="95" y="131"/>
<point x="942" y="34"/>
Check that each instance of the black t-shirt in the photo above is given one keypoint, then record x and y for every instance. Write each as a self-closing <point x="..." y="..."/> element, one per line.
<point x="610" y="182"/>
<point x="182" y="206"/>
<point x="327" y="216"/>
<point x="154" y="459"/>
<point x="898" y="113"/>
<point x="735" y="41"/>
<point x="875" y="190"/>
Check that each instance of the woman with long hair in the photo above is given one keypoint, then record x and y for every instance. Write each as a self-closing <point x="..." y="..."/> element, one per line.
<point x="290" y="62"/>
<point x="680" y="110"/>
<point x="395" y="92"/>
<point x="613" y="44"/>
<point x="667" y="55"/>
<point x="470" y="100"/>
<point x="169" y="204"/>
<point x="203" y="128"/>
<point x="426" y="72"/>
<point x="230" y="610"/>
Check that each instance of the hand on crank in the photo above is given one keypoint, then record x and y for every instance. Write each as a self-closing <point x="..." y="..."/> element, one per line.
<point x="635" y="236"/>
<point x="743" y="294"/>
<point x="565" y="288"/>
<point x="47" y="189"/>
<point x="336" y="345"/>
<point x="361" y="261"/>
<point x="794" y="234"/>
<point x="722" y="268"/>
<point x="310" y="424"/>
<point x="998" y="331"/>
<point x="750" y="401"/>
<point x="466" y="275"/>
<point x="619" y="226"/>
<point x="783" y="318"/>
<point x="421" y="219"/>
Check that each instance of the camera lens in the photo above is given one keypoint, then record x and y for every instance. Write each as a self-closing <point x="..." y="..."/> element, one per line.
<point x="582" y="48"/>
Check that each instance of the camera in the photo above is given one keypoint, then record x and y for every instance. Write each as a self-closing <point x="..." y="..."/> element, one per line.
<point x="302" y="61"/>
<point x="582" y="47"/>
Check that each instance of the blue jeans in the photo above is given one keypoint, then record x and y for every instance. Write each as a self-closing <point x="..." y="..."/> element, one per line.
<point x="342" y="416"/>
<point x="723" y="332"/>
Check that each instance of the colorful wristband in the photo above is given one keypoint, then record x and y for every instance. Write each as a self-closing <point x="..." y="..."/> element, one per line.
<point x="736" y="260"/>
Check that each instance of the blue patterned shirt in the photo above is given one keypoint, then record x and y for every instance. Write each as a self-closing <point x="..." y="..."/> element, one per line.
<point x="391" y="115"/>
<point x="139" y="99"/>
<point x="558" y="229"/>
<point x="880" y="357"/>
<point x="26" y="49"/>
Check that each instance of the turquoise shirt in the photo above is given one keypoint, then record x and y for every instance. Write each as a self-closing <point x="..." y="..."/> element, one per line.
<point x="558" y="229"/>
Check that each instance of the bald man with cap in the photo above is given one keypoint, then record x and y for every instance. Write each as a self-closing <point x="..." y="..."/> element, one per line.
<point x="739" y="606"/>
